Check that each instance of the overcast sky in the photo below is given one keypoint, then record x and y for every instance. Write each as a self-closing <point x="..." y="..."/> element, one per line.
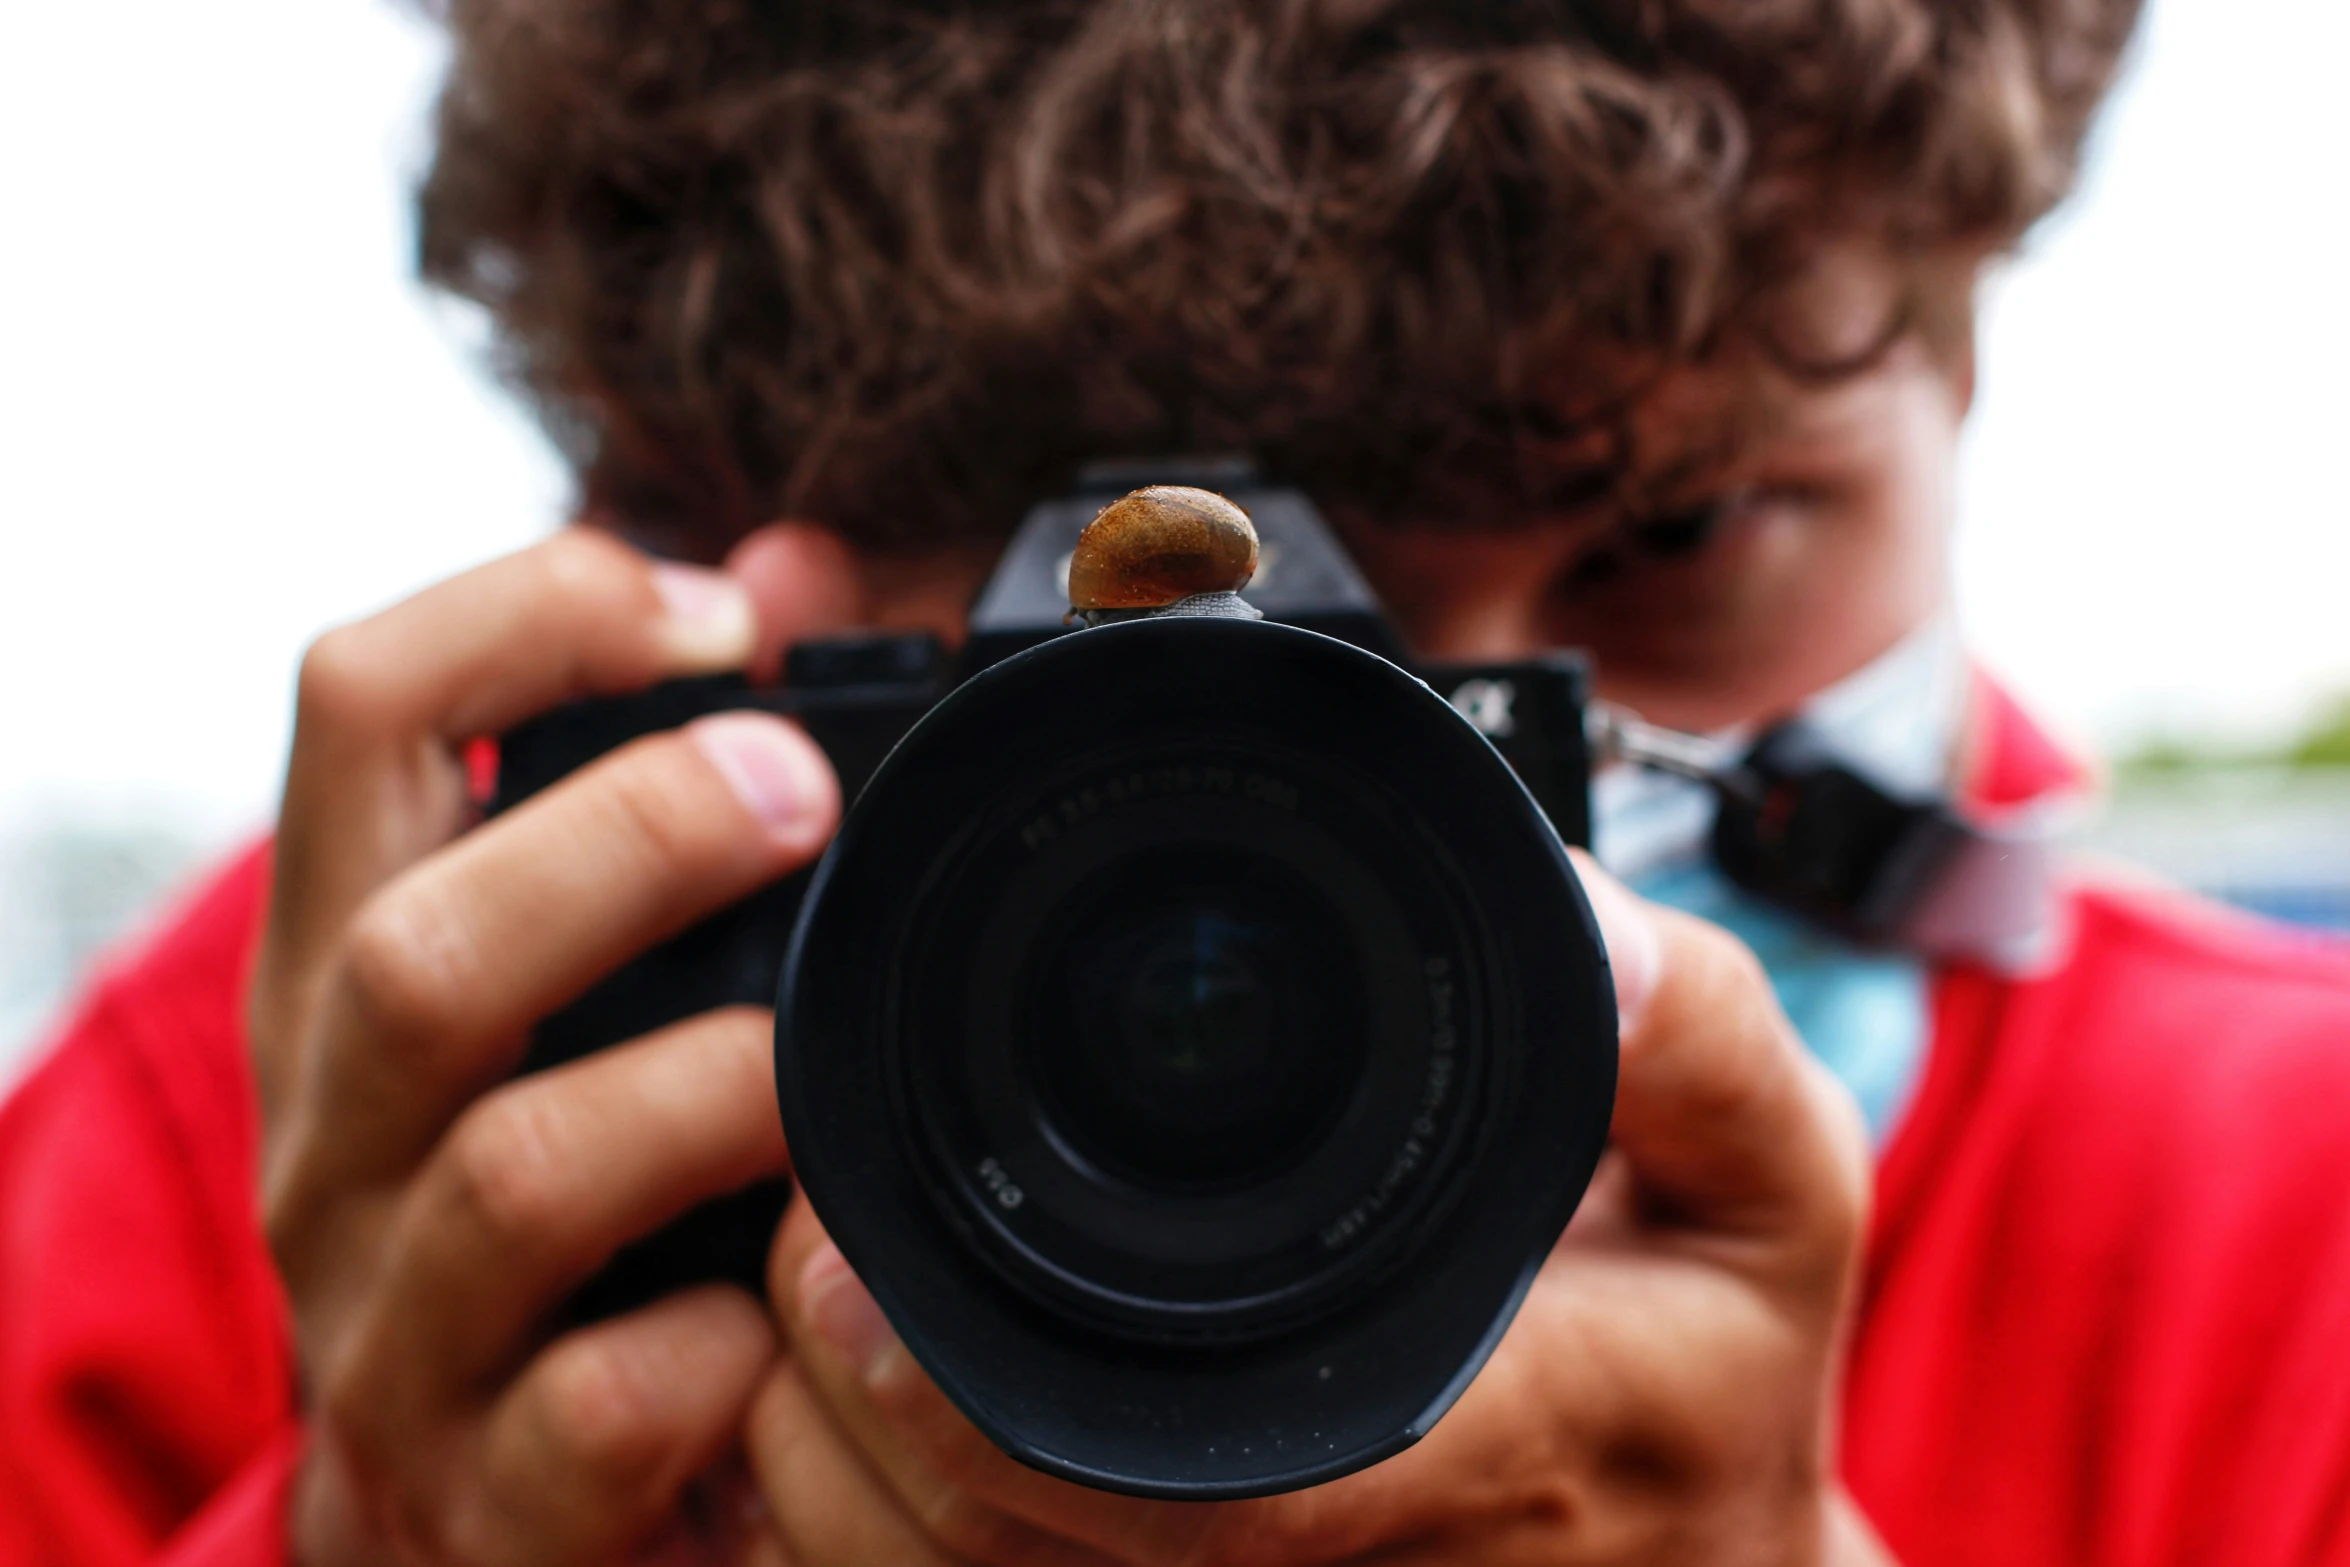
<point x="228" y="420"/>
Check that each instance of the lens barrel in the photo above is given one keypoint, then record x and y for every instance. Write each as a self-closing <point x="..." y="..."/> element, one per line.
<point x="1196" y="1038"/>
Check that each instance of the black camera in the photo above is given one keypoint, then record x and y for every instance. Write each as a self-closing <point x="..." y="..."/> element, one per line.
<point x="1196" y="1036"/>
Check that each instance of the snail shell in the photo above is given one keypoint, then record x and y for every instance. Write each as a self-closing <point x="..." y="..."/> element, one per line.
<point x="1161" y="544"/>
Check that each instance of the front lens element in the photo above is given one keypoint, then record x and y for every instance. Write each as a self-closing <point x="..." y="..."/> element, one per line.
<point x="1195" y="1020"/>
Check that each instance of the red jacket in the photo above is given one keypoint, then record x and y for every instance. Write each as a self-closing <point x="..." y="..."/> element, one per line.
<point x="2106" y="1314"/>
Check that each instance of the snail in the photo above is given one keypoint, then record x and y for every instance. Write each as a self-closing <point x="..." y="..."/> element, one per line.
<point x="1159" y="545"/>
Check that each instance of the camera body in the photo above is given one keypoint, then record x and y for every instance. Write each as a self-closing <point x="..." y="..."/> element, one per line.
<point x="859" y="695"/>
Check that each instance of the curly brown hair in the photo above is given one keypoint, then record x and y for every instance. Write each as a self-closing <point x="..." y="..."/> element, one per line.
<point x="900" y="264"/>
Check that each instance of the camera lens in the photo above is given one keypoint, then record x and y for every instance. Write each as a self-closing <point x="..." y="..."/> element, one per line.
<point x="1192" y="1026"/>
<point x="1196" y="1039"/>
<point x="1180" y="1037"/>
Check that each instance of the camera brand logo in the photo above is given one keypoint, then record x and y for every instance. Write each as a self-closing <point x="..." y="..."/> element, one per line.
<point x="1489" y="706"/>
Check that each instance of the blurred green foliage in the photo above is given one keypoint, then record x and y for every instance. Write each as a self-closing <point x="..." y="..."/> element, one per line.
<point x="2323" y="744"/>
<point x="2327" y="741"/>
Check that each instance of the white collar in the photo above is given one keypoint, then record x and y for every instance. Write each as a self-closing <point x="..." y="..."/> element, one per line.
<point x="1897" y="717"/>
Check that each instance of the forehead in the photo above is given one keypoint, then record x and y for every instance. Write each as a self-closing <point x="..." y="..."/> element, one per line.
<point x="1737" y="420"/>
<point x="1825" y="372"/>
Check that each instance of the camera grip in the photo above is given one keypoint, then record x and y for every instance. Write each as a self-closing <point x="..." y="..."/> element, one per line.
<point x="855" y="697"/>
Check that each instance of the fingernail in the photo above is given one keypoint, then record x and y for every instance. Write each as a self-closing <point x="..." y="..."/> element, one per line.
<point x="843" y="1314"/>
<point x="775" y="770"/>
<point x="1634" y="952"/>
<point x="710" y="623"/>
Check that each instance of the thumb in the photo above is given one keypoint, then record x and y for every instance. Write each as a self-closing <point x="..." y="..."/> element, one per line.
<point x="1726" y="1122"/>
<point x="803" y="582"/>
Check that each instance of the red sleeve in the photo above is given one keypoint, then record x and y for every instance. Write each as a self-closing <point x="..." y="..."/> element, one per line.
<point x="244" y="1524"/>
<point x="146" y="1401"/>
<point x="2106" y="1321"/>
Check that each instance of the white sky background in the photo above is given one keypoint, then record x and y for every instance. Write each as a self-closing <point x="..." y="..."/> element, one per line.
<point x="227" y="419"/>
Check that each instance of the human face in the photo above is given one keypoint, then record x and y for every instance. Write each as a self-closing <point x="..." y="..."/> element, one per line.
<point x="1836" y="551"/>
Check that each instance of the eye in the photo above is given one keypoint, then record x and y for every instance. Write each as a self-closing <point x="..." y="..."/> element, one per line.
<point x="1676" y="533"/>
<point x="1684" y="530"/>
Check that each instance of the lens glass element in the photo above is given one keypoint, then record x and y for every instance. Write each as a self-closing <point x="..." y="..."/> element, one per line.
<point x="1185" y="1038"/>
<point x="1195" y="1020"/>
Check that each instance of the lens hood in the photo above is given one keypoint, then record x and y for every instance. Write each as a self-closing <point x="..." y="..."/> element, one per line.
<point x="1196" y="1038"/>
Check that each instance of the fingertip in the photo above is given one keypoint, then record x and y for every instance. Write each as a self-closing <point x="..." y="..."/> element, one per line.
<point x="813" y="1287"/>
<point x="699" y="1356"/>
<point x="744" y="1316"/>
<point x="732" y="1335"/>
<point x="1848" y="1134"/>
<point x="707" y="621"/>
<point x="795" y="1237"/>
<point x="601" y="1433"/>
<point x="841" y="1312"/>
<point x="1635" y="951"/>
<point x="780" y="775"/>
<point x="802" y="581"/>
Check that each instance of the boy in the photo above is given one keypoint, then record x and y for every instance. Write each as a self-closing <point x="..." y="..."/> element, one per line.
<point x="1638" y="327"/>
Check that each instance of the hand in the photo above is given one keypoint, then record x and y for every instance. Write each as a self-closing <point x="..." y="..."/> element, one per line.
<point x="1664" y="1395"/>
<point x="427" y="1210"/>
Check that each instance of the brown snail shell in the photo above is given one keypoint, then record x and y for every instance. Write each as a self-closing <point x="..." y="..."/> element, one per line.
<point x="1161" y="544"/>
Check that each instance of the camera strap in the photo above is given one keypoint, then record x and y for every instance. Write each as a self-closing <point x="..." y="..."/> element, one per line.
<point x="1829" y="818"/>
<point x="1797" y="828"/>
